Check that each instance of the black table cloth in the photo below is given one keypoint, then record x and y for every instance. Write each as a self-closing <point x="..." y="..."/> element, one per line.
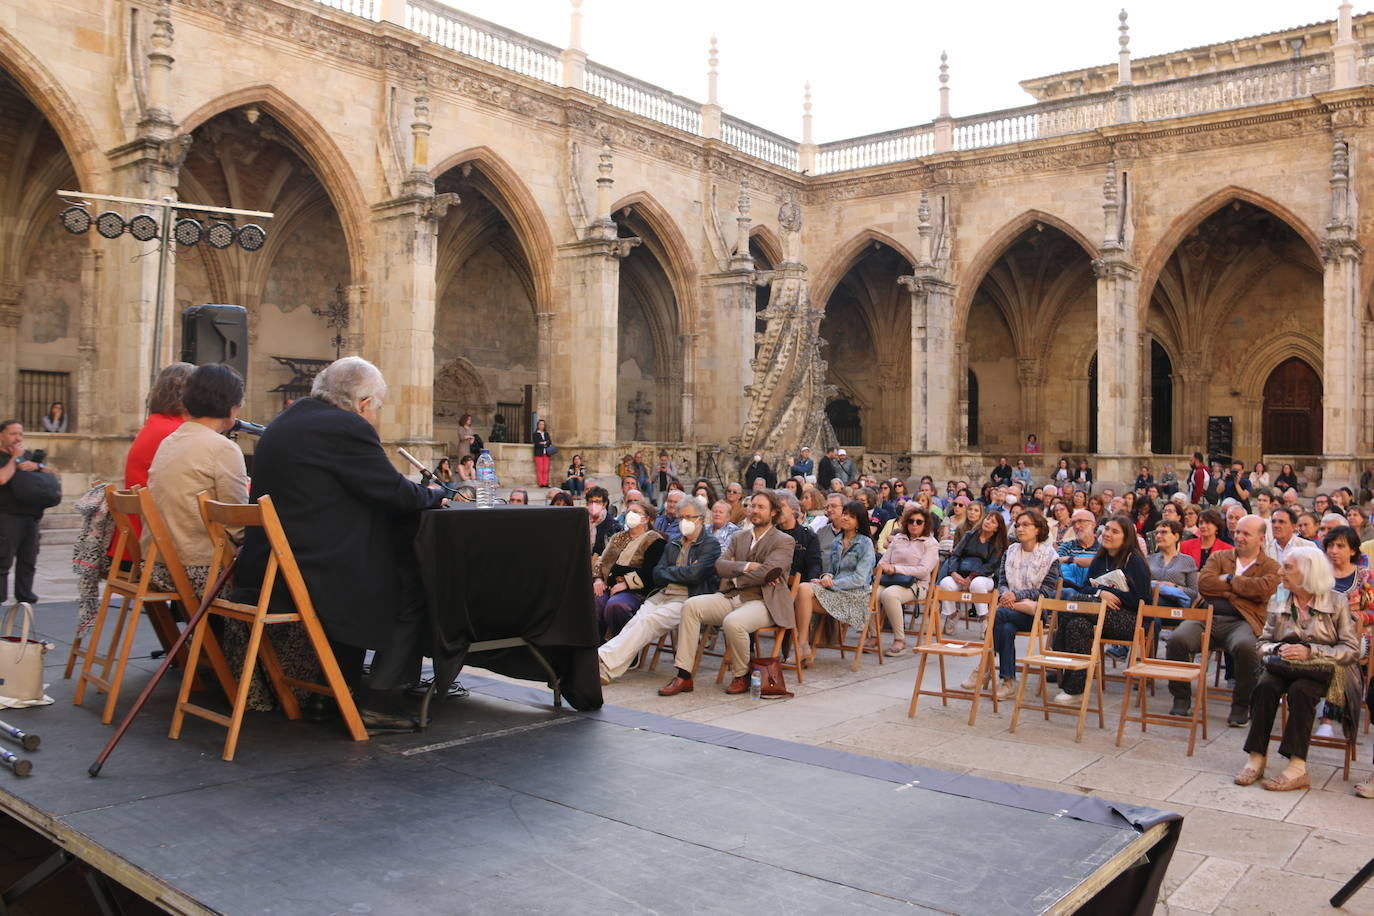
<point x="512" y="571"/>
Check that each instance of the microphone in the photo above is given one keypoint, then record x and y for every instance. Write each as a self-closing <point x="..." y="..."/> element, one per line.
<point x="246" y="426"/>
<point x="425" y="473"/>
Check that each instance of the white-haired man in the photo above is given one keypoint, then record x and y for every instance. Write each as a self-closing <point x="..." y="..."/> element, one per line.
<point x="349" y="516"/>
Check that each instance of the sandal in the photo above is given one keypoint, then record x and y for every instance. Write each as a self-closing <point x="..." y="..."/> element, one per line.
<point x="1283" y="783"/>
<point x="1249" y="776"/>
<point x="1365" y="789"/>
<point x="897" y="648"/>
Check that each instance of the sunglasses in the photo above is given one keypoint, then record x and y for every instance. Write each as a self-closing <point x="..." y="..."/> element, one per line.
<point x="917" y="521"/>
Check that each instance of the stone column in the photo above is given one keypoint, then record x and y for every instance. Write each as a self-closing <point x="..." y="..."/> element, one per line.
<point x="1191" y="401"/>
<point x="586" y="343"/>
<point x="400" y="338"/>
<point x="1118" y="364"/>
<point x="544" y="380"/>
<point x="724" y="351"/>
<point x="1030" y="375"/>
<point x="9" y="345"/>
<point x="1342" y="372"/>
<point x="936" y="379"/>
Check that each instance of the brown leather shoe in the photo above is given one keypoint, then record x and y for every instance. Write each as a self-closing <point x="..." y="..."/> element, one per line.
<point x="739" y="685"/>
<point x="675" y="686"/>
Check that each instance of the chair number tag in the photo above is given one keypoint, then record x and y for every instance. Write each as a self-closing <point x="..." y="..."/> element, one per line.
<point x="1176" y="612"/>
<point x="1071" y="606"/>
<point x="965" y="597"/>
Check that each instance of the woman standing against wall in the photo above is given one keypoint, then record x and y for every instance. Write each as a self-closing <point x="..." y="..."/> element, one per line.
<point x="543" y="448"/>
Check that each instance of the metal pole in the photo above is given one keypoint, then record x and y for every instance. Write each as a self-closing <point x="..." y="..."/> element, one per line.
<point x="163" y="255"/>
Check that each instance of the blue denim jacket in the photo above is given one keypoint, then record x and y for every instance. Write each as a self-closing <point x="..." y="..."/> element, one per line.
<point x="852" y="568"/>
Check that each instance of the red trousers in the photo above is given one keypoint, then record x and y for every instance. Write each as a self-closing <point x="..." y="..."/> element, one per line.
<point x="541" y="470"/>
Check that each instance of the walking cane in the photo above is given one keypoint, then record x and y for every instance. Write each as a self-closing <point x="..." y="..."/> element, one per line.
<point x="148" y="688"/>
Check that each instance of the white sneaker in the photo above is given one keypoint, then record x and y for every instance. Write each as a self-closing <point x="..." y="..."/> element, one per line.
<point x="1007" y="688"/>
<point x="1325" y="731"/>
<point x="1067" y="699"/>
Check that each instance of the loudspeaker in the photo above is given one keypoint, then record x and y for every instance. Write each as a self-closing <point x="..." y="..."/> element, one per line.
<point x="215" y="334"/>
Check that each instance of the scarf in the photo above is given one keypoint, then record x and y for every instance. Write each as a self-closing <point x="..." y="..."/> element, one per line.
<point x="1025" y="571"/>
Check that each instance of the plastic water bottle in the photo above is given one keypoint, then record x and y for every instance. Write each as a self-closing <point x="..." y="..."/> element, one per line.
<point x="756" y="685"/>
<point x="486" y="480"/>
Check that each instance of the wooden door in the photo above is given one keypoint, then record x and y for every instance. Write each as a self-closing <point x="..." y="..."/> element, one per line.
<point x="1293" y="410"/>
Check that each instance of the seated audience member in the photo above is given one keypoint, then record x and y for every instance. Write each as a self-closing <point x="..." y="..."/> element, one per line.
<point x="1284" y="537"/>
<point x="1145" y="516"/>
<point x="1097" y="505"/>
<point x="577" y="476"/>
<point x="1310" y="649"/>
<point x="1032" y="445"/>
<point x="1002" y="474"/>
<point x="443" y="471"/>
<point x="813" y="506"/>
<point x="558" y="498"/>
<point x="955" y="514"/>
<point x="686" y="568"/>
<point x="1063" y="474"/>
<point x="806" y="557"/>
<point x="1144" y="479"/>
<point x="165" y="414"/>
<point x="753" y="594"/>
<point x="973" y="519"/>
<point x="1021" y="474"/>
<point x="1309" y="526"/>
<point x="911" y="556"/>
<point x="1321" y="504"/>
<point x="1330" y="522"/>
<point x="721" y="528"/>
<point x="1076" y="553"/>
<point x="739" y="507"/>
<point x="1082" y="478"/>
<point x="1168" y="481"/>
<point x="1208" y="541"/>
<point x="1259" y="477"/>
<point x="1287" y="479"/>
<point x="624" y="575"/>
<point x="519" y="497"/>
<point x="467" y="471"/>
<point x="1357" y="517"/>
<point x="1120" y="551"/>
<point x="602" y="523"/>
<point x="972" y="565"/>
<point x="1029" y="571"/>
<point x="632" y="498"/>
<point x="349" y="516"/>
<point x="1174" y="573"/>
<point x="1192" y="515"/>
<point x="1238" y="584"/>
<point x="1352" y="581"/>
<point x="197" y="458"/>
<point x="666" y="524"/>
<point x="1060" y="522"/>
<point x="829" y="529"/>
<point x="843" y="591"/>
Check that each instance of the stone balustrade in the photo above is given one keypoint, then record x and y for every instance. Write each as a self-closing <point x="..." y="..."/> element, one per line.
<point x="1257" y="84"/>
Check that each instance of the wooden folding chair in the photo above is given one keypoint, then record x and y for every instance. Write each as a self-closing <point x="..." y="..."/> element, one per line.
<point x="780" y="637"/>
<point x="1041" y="657"/>
<point x="218" y="518"/>
<point x="930" y="643"/>
<point x="133" y="586"/>
<point x="873" y="623"/>
<point x="1144" y="667"/>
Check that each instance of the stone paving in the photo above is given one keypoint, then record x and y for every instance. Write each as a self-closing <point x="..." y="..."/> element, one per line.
<point x="1243" y="850"/>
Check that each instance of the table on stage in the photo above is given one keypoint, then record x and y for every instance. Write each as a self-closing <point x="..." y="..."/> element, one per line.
<point x="516" y="577"/>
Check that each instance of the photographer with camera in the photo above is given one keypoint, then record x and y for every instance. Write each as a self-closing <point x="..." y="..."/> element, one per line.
<point x="26" y="489"/>
<point x="1237" y="485"/>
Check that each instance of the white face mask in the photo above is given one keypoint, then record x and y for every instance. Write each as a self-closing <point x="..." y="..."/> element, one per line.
<point x="688" y="527"/>
<point x="633" y="520"/>
<point x="1010" y="499"/>
<point x="758" y="457"/>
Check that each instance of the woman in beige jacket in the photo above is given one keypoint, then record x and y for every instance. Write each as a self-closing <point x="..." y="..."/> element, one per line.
<point x="1309" y="648"/>
<point x="911" y="556"/>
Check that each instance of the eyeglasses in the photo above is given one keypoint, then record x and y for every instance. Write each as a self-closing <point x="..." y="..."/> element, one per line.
<point x="917" y="521"/>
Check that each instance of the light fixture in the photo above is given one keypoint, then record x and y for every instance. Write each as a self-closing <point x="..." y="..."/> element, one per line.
<point x="251" y="237"/>
<point x="75" y="219"/>
<point x="110" y="224"/>
<point x="187" y="232"/>
<point x="220" y="235"/>
<point x="143" y="227"/>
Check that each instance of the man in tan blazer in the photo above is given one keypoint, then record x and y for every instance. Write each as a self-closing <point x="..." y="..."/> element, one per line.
<point x="1238" y="584"/>
<point x="753" y="594"/>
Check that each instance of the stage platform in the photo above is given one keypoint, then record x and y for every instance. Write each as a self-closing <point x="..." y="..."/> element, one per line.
<point x="508" y="805"/>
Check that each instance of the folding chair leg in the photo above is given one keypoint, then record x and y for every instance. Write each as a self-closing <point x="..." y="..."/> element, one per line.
<point x="334" y="679"/>
<point x="978" y="689"/>
<point x="71" y="657"/>
<point x="944" y="684"/>
<point x="1020" y="695"/>
<point x="1125" y="707"/>
<point x="187" y="676"/>
<point x="250" y="657"/>
<point x="916" y="690"/>
<point x="97" y="626"/>
<point x="271" y="666"/>
<point x="121" y="660"/>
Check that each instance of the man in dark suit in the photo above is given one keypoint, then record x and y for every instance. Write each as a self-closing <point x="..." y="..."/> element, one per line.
<point x="350" y="518"/>
<point x="753" y="594"/>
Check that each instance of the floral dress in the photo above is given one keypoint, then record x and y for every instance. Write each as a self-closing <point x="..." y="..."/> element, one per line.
<point x="852" y="569"/>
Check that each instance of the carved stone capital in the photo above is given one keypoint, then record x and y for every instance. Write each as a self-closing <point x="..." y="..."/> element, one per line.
<point x="172" y="151"/>
<point x="764" y="277"/>
<point x="1335" y="250"/>
<point x="436" y="208"/>
<point x="621" y="248"/>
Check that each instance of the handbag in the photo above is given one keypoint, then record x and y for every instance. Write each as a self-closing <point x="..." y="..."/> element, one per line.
<point x="21" y="658"/>
<point x="551" y="450"/>
<point x="769" y="668"/>
<point x="897" y="579"/>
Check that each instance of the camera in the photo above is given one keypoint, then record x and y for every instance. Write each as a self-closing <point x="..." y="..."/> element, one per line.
<point x="39" y="456"/>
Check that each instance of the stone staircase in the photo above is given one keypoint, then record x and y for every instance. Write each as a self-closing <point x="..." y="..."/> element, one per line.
<point x="61" y="525"/>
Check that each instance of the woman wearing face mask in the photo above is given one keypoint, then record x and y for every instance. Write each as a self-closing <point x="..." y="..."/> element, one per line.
<point x="601" y="522"/>
<point x="624" y="576"/>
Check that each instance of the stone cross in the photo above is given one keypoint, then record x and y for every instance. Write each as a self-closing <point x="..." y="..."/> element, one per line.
<point x="641" y="409"/>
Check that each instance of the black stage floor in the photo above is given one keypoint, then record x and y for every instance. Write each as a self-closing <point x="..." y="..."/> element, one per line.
<point x="506" y="804"/>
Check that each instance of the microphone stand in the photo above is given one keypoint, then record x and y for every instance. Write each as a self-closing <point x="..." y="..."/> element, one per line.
<point x="427" y="476"/>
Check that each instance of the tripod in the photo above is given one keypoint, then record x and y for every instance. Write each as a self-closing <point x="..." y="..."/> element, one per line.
<point x="711" y="469"/>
